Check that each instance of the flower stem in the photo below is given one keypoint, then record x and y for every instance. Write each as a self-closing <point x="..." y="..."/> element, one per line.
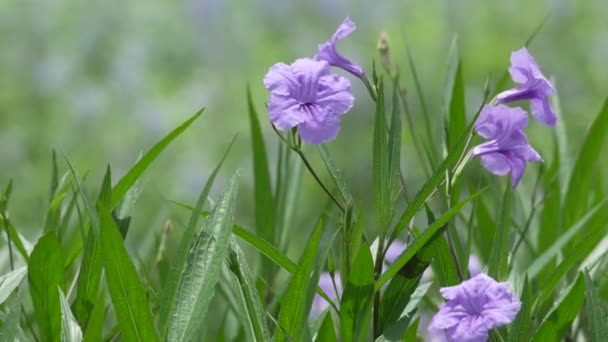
<point x="316" y="177"/>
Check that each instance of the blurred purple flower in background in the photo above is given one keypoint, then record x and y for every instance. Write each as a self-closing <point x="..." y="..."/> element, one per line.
<point x="475" y="307"/>
<point x="508" y="150"/>
<point x="319" y="304"/>
<point x="534" y="86"/>
<point x="394" y="251"/>
<point x="328" y="51"/>
<point x="305" y="94"/>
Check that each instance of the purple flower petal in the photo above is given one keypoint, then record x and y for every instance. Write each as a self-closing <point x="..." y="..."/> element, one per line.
<point x="508" y="150"/>
<point x="306" y="95"/>
<point x="474" y="307"/>
<point x="319" y="126"/>
<point x="394" y="251"/>
<point x="328" y="51"/>
<point x="534" y="86"/>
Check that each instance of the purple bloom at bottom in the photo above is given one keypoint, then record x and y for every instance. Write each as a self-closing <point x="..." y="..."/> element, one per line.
<point x="473" y="308"/>
<point x="319" y="304"/>
<point x="328" y="51"/>
<point x="534" y="86"/>
<point x="508" y="150"/>
<point x="305" y="94"/>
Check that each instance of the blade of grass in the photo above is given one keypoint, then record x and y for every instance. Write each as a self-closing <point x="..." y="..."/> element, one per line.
<point x="423" y="239"/>
<point x="453" y="99"/>
<point x="202" y="269"/>
<point x="295" y="305"/>
<point x="597" y="317"/>
<point x="45" y="274"/>
<point x="264" y="202"/>
<point x="581" y="180"/>
<point x="498" y="264"/>
<point x="190" y="234"/>
<point x="253" y="310"/>
<point x="70" y="330"/>
<point x="128" y="295"/>
<point x="356" y="303"/>
<point x="10" y="281"/>
<point x="127" y="181"/>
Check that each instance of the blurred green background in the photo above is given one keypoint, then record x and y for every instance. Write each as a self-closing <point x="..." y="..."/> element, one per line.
<point x="103" y="81"/>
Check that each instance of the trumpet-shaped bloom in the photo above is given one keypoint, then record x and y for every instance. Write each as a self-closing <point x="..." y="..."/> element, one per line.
<point x="473" y="308"/>
<point x="534" y="86"/>
<point x="305" y="94"/>
<point x="508" y="150"/>
<point x="328" y="51"/>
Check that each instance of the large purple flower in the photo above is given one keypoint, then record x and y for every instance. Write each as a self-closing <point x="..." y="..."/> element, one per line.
<point x="534" y="86"/>
<point x="508" y="150"/>
<point x="319" y="304"/>
<point x="328" y="51"/>
<point x="305" y="94"/>
<point x="475" y="307"/>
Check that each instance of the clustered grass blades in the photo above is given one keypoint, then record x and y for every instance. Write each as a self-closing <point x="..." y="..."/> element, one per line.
<point x="437" y="249"/>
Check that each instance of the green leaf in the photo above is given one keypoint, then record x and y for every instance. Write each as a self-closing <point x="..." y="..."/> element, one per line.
<point x="10" y="322"/>
<point x="252" y="309"/>
<point x="578" y="253"/>
<point x="335" y="173"/>
<point x="190" y="235"/>
<point x="429" y="144"/>
<point x="70" y="330"/>
<point x="582" y="178"/>
<point x="519" y="330"/>
<point x="401" y="329"/>
<point x="202" y="269"/>
<point x="399" y="291"/>
<point x="10" y="281"/>
<point x="583" y="223"/>
<point x="128" y="294"/>
<point x="394" y="146"/>
<point x="327" y="332"/>
<point x="565" y="309"/>
<point x="498" y="265"/>
<point x="94" y="329"/>
<point x="597" y="323"/>
<point x="89" y="277"/>
<point x="127" y="181"/>
<point x="380" y="163"/>
<point x="296" y="302"/>
<point x="264" y="203"/>
<point x="45" y="274"/>
<point x="430" y="187"/>
<point x="422" y="240"/>
<point x="264" y="247"/>
<point x="454" y="102"/>
<point x="356" y="303"/>
<point x="444" y="265"/>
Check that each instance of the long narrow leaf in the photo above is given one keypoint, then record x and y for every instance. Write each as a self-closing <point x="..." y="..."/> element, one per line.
<point x="70" y="330"/>
<point x="10" y="281"/>
<point x="202" y="269"/>
<point x="127" y="181"/>
<point x="128" y="294"/>
<point x="436" y="228"/>
<point x="597" y="325"/>
<point x="498" y="265"/>
<point x="45" y="273"/>
<point x="296" y="303"/>
<point x="253" y="311"/>
<point x="190" y="234"/>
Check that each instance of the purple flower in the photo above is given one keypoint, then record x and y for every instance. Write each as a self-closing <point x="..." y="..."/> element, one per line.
<point x="475" y="307"/>
<point x="305" y="94"/>
<point x="508" y="150"/>
<point x="329" y="52"/>
<point x="534" y="86"/>
<point x="319" y="304"/>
